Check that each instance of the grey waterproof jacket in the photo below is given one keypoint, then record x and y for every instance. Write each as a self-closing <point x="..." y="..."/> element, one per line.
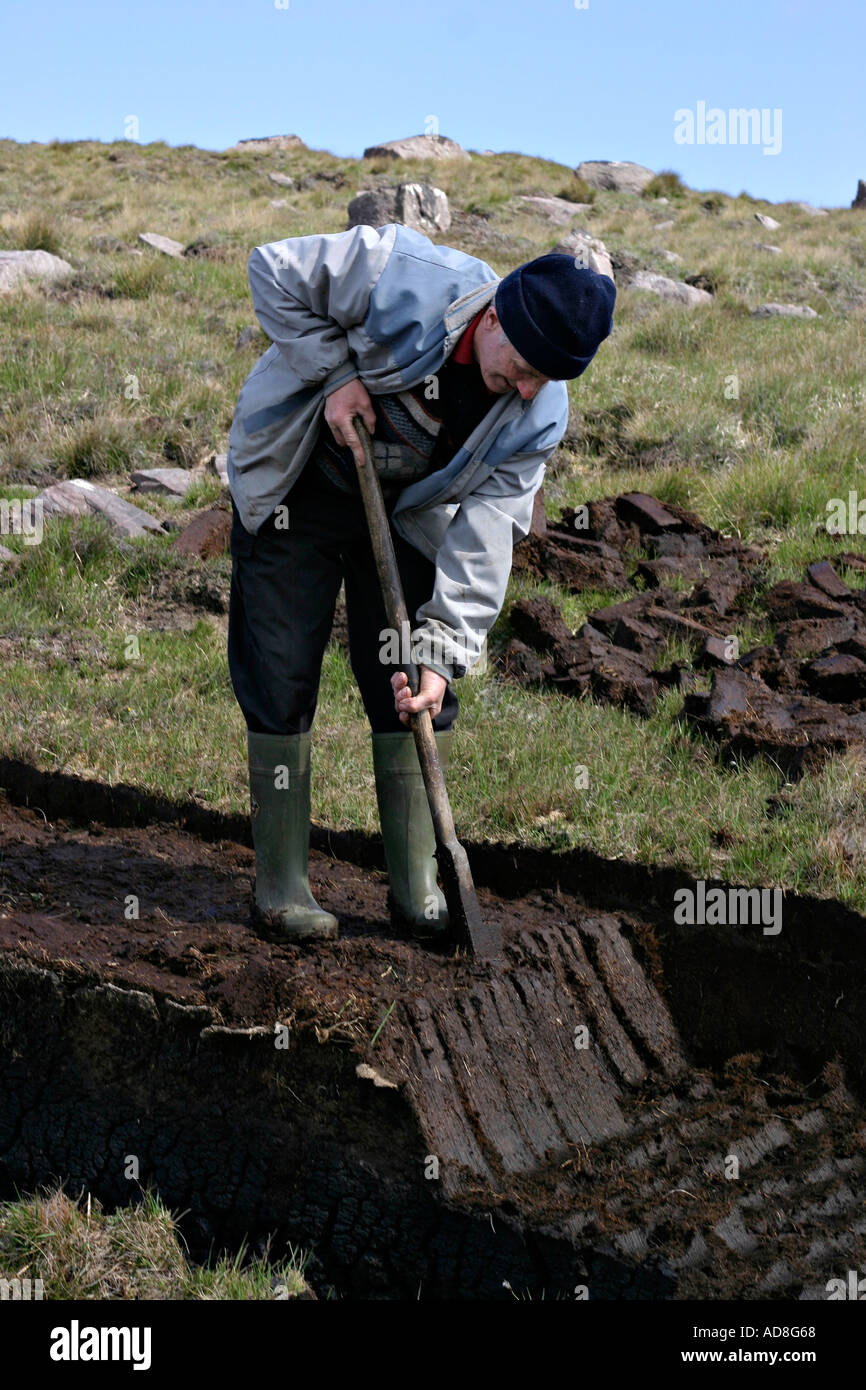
<point x="388" y="306"/>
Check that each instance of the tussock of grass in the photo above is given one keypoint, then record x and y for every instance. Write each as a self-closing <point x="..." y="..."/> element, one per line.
<point x="80" y="1252"/>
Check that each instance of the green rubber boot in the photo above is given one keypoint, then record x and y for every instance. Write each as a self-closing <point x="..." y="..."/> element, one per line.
<point x="415" y="899"/>
<point x="284" y="907"/>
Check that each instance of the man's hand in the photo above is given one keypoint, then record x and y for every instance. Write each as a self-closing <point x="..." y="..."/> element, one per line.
<point x="341" y="407"/>
<point x="430" y="695"/>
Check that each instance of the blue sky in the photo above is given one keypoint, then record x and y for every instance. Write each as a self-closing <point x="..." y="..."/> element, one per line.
<point x="567" y="79"/>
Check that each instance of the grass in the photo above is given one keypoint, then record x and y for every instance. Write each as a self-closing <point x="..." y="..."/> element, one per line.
<point x="81" y="1252"/>
<point x="754" y="424"/>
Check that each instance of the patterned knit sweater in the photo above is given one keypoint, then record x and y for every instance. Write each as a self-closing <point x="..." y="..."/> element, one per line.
<point x="417" y="431"/>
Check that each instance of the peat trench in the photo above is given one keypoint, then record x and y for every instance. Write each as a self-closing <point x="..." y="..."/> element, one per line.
<point x="426" y="1125"/>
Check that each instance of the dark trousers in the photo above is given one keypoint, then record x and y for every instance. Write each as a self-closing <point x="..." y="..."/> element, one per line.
<point x="284" y="590"/>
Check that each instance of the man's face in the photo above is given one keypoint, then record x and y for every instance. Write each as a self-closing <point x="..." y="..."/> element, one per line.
<point x="502" y="368"/>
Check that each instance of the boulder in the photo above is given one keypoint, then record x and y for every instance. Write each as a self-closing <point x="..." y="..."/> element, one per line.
<point x="172" y="482"/>
<point x="417" y="147"/>
<point x="769" y="222"/>
<point x="615" y="175"/>
<point x="859" y="199"/>
<point x="162" y="243"/>
<point x="665" y="226"/>
<point x="282" y="180"/>
<point x="555" y="209"/>
<point x="587" y="251"/>
<point x="668" y="255"/>
<point x="78" y="497"/>
<point x="271" y="142"/>
<point x="675" y="291"/>
<point x="278" y="203"/>
<point x="16" y="267"/>
<point x="787" y="311"/>
<point x="417" y="205"/>
<point x="765" y="246"/>
<point x="813" y="212"/>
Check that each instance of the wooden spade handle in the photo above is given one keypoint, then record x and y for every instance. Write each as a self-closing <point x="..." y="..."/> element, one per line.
<point x="398" y="618"/>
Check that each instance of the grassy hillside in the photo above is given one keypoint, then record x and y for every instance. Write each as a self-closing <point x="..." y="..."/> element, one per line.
<point x="753" y="423"/>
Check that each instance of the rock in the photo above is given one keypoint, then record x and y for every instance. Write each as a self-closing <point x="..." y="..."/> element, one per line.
<point x="417" y="147"/>
<point x="618" y="176"/>
<point x="271" y="142"/>
<point x="588" y="251"/>
<point x="822" y="574"/>
<point x="417" y="205"/>
<point x="282" y="180"/>
<point x="174" y="482"/>
<point x="859" y="199"/>
<point x="668" y="255"/>
<point x="218" y="463"/>
<point x="556" y="209"/>
<point x="78" y="497"/>
<point x="665" y="226"/>
<point x="769" y="222"/>
<point x="7" y="556"/>
<point x="675" y="291"/>
<point x="786" y="311"/>
<point x="278" y="203"/>
<point x="207" y="534"/>
<point x="162" y="243"/>
<point x="765" y="246"/>
<point x="813" y="212"/>
<point x="16" y="267"/>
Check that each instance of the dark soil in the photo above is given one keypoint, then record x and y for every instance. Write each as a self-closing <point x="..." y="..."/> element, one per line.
<point x="558" y="1165"/>
<point x="796" y="701"/>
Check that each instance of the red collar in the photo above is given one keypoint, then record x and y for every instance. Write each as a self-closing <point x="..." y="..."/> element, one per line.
<point x="463" y="351"/>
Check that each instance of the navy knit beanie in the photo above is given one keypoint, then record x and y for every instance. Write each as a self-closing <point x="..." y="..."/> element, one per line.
<point x="555" y="313"/>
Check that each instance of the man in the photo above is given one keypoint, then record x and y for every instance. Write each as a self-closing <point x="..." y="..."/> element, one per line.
<point x="460" y="378"/>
